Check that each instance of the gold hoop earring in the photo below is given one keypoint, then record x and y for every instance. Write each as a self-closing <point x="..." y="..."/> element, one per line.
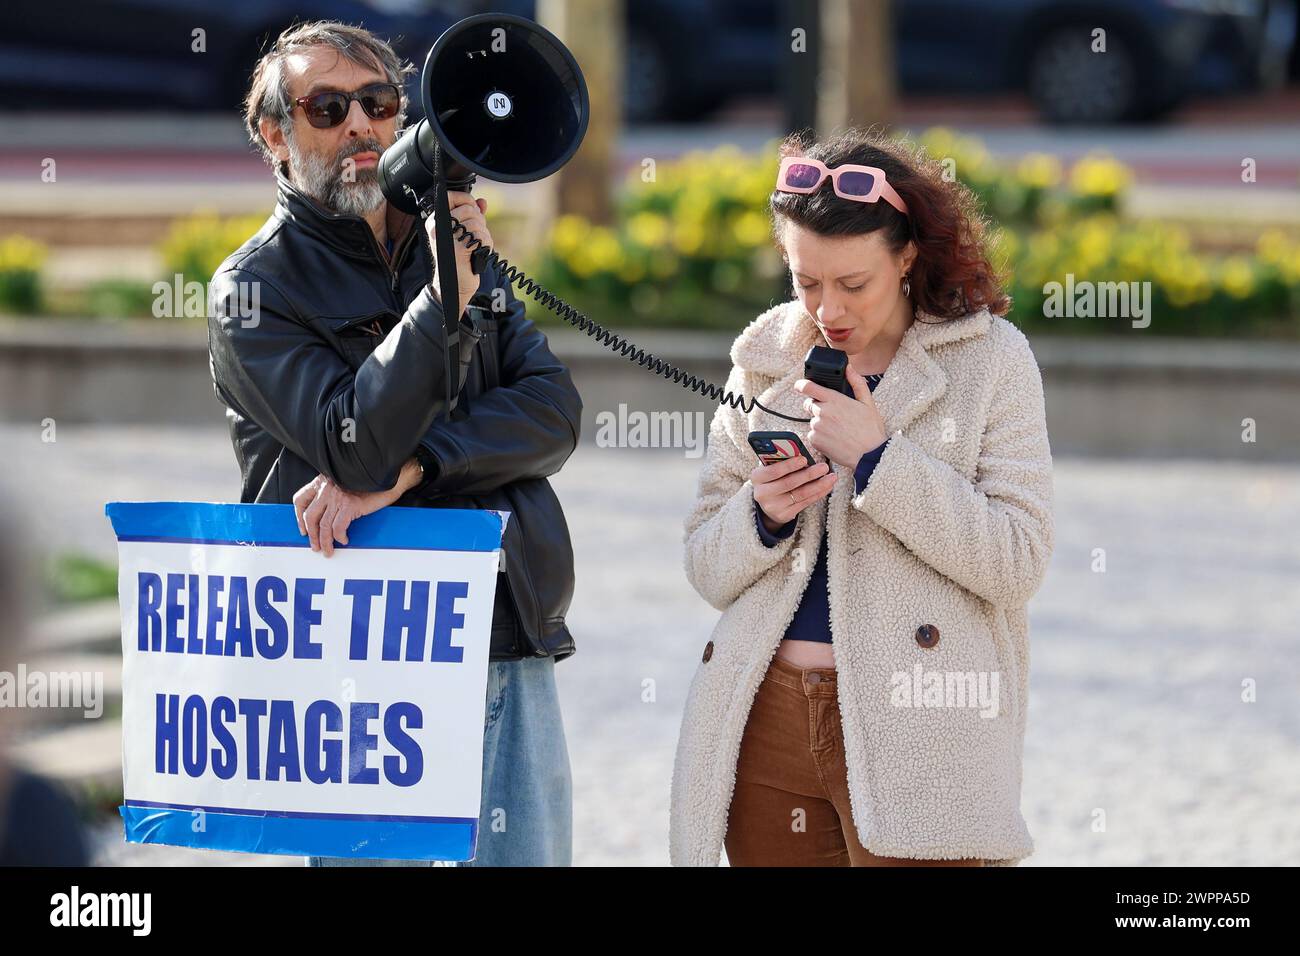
<point x="907" y="286"/>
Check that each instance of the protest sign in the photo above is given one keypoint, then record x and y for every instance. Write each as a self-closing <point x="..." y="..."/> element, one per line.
<point x="278" y="701"/>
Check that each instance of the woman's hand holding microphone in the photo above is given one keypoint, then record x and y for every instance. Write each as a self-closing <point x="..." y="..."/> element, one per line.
<point x="842" y="428"/>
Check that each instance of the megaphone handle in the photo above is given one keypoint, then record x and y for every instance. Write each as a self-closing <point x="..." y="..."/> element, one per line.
<point x="478" y="259"/>
<point x="448" y="287"/>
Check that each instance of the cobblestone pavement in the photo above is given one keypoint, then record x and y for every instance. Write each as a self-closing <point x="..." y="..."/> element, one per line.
<point x="1136" y="703"/>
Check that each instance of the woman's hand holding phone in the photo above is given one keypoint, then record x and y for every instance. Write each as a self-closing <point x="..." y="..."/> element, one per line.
<point x="785" y="488"/>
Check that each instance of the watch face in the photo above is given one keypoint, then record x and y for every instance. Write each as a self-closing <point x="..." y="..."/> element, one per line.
<point x="425" y="458"/>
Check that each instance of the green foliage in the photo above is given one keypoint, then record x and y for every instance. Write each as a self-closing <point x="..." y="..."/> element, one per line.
<point x="692" y="246"/>
<point x="1191" y="293"/>
<point x="118" y="299"/>
<point x="1037" y="190"/>
<point x="71" y="578"/>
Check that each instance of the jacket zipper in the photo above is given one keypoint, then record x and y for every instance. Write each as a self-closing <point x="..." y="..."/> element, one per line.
<point x="353" y="323"/>
<point x="397" y="258"/>
<point x="394" y="282"/>
<point x="394" y="265"/>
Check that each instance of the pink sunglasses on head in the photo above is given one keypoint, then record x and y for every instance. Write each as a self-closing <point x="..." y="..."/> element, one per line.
<point x="861" y="183"/>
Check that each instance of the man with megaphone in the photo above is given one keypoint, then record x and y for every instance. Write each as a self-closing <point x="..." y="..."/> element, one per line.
<point x="335" y="382"/>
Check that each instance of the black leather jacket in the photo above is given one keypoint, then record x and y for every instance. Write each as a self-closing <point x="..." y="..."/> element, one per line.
<point x="339" y="370"/>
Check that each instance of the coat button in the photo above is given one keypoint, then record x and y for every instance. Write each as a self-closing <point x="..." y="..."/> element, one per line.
<point x="927" y="635"/>
<point x="708" y="652"/>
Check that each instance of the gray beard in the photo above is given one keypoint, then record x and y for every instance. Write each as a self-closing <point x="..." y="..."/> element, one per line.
<point x="325" y="183"/>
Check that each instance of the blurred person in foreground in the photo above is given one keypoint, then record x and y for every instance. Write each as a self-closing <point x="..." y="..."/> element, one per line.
<point x="334" y="394"/>
<point x="39" y="825"/>
<point x="862" y="699"/>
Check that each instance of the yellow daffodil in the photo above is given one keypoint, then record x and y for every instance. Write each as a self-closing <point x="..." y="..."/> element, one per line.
<point x="648" y="229"/>
<point x="1099" y="175"/>
<point x="751" y="229"/>
<point x="21" y="254"/>
<point x="1039" y="170"/>
<point x="1237" y="277"/>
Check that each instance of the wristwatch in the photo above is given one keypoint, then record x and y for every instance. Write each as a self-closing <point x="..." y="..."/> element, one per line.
<point x="428" y="463"/>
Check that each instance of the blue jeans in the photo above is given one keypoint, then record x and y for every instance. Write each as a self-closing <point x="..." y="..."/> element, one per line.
<point x="526" y="818"/>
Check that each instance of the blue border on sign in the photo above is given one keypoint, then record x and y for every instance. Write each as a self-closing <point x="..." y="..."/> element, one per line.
<point x="275" y="526"/>
<point x="292" y="833"/>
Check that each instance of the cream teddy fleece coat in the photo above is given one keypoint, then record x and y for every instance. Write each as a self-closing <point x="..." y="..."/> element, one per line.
<point x="953" y="530"/>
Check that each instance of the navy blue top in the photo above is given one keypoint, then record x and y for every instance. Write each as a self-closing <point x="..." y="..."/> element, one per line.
<point x="812" y="619"/>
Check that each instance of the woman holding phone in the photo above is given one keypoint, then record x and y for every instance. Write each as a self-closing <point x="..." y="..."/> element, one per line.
<point x="862" y="699"/>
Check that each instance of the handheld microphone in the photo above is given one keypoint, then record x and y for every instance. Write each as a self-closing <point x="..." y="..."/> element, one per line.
<point x="826" y="366"/>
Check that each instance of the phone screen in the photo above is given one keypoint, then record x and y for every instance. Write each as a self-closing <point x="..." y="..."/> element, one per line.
<point x="772" y="447"/>
<point x="782" y="448"/>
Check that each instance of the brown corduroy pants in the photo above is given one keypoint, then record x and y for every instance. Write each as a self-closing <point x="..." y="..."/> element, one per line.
<point x="791" y="802"/>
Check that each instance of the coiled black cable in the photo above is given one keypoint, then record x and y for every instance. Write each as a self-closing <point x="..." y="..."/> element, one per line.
<point x="611" y="340"/>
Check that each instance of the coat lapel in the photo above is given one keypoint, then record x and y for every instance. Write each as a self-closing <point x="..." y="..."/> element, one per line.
<point x="775" y="345"/>
<point x="911" y="384"/>
<point x="781" y="396"/>
<point x="914" y="380"/>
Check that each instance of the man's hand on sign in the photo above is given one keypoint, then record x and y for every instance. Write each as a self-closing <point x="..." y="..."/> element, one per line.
<point x="324" y="510"/>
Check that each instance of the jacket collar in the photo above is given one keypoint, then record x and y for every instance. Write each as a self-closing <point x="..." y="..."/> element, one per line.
<point x="774" y="345"/>
<point x="348" y="234"/>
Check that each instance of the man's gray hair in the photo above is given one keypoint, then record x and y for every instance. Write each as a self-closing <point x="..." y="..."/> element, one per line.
<point x="268" y="93"/>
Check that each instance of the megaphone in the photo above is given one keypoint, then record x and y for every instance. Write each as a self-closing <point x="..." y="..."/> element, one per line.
<point x="503" y="99"/>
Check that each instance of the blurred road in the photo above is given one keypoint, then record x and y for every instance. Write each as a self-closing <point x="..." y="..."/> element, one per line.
<point x="1189" y="149"/>
<point x="1135" y="707"/>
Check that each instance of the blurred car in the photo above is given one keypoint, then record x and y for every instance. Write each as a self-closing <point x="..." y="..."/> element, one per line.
<point x="141" y="54"/>
<point x="683" y="58"/>
<point x="1158" y="53"/>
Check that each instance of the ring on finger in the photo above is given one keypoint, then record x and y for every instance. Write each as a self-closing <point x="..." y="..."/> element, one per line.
<point x="792" y="498"/>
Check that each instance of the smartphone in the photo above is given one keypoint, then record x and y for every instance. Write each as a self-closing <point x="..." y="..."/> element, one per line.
<point x="771" y="447"/>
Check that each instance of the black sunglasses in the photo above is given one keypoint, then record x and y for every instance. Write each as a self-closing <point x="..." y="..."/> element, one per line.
<point x="324" y="110"/>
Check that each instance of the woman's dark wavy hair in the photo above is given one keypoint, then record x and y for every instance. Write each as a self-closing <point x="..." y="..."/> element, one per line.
<point x="952" y="274"/>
